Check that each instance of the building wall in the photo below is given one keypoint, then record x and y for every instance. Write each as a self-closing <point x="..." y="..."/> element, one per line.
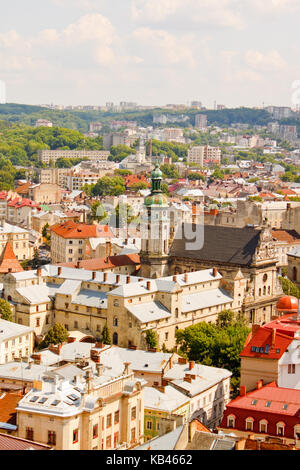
<point x="254" y="369"/>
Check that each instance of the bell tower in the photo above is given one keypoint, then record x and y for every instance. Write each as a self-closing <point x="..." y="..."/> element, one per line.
<point x="155" y="230"/>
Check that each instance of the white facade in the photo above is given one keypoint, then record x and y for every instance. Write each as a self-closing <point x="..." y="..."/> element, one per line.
<point x="16" y="341"/>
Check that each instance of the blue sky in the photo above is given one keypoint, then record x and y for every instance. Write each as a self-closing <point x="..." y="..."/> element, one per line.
<point x="237" y="52"/>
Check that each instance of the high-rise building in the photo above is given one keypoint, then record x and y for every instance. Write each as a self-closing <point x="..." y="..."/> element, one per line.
<point x="201" y="121"/>
<point x="204" y="153"/>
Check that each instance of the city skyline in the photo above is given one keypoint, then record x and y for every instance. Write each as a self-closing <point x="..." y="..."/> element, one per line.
<point x="88" y="52"/>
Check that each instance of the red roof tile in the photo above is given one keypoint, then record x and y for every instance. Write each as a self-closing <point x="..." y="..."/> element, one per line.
<point x="261" y="339"/>
<point x="70" y="229"/>
<point x="8" y="442"/>
<point x="9" y="262"/>
<point x="8" y="407"/>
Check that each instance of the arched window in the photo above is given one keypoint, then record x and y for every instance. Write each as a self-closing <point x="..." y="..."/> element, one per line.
<point x="176" y="312"/>
<point x="115" y="339"/>
<point x="265" y="290"/>
<point x="115" y="321"/>
<point x="295" y="273"/>
<point x="231" y="421"/>
<point x="259" y="292"/>
<point x="280" y="428"/>
<point x="297" y="431"/>
<point x="263" y="426"/>
<point x="9" y="298"/>
<point x="249" y="424"/>
<point x="116" y="303"/>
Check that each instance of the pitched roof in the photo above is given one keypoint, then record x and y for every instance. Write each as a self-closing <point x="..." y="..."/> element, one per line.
<point x="8" y="261"/>
<point x="70" y="229"/>
<point x="220" y="244"/>
<point x="288" y="236"/>
<point x="8" y="442"/>
<point x="8" y="404"/>
<point x="257" y="346"/>
<point x="110" y="262"/>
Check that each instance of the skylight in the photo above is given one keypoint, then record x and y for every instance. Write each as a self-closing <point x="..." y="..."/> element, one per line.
<point x="254" y="402"/>
<point x="33" y="399"/>
<point x="73" y="397"/>
<point x="55" y="403"/>
<point x="285" y="406"/>
<point x="268" y="404"/>
<point x="43" y="400"/>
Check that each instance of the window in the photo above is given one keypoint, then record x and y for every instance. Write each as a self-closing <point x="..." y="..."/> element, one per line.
<point x="75" y="436"/>
<point x="52" y="438"/>
<point x="280" y="429"/>
<point x="70" y="252"/>
<point x="75" y="324"/>
<point x="108" y="442"/>
<point x="231" y="421"/>
<point x="115" y="321"/>
<point x="254" y="402"/>
<point x="166" y="336"/>
<point x="37" y="322"/>
<point x="133" y="434"/>
<point x="149" y="425"/>
<point x="268" y="404"/>
<point x="133" y="413"/>
<point x="117" y="417"/>
<point x="115" y="339"/>
<point x="263" y="426"/>
<point x="108" y="421"/>
<point x="95" y="431"/>
<point x="116" y="439"/>
<point x="249" y="424"/>
<point x="29" y="434"/>
<point x="291" y="369"/>
<point x="116" y="303"/>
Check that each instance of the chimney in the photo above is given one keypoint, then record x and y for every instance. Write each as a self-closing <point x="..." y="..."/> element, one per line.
<point x="174" y="278"/>
<point x="126" y="368"/>
<point x="164" y="383"/>
<point x="71" y="340"/>
<point x="186" y="277"/>
<point x="128" y="280"/>
<point x="117" y="278"/>
<point x="78" y="264"/>
<point x="255" y="328"/>
<point x="99" y="345"/>
<point x="215" y="272"/>
<point x="273" y="337"/>
<point x="39" y="272"/>
<point x="242" y="390"/>
<point x="191" y="365"/>
<point x="259" y="384"/>
<point x="94" y="275"/>
<point x="188" y="379"/>
<point x="95" y="356"/>
<point x="182" y="360"/>
<point x="99" y="369"/>
<point x="59" y="271"/>
<point x="148" y="285"/>
<point x="10" y="270"/>
<point x="126" y="242"/>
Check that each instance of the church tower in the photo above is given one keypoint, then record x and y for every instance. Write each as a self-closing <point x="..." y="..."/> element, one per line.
<point x="155" y="230"/>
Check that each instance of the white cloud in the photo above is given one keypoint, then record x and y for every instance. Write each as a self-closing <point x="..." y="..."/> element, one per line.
<point x="214" y="12"/>
<point x="165" y="48"/>
<point x="270" y="61"/>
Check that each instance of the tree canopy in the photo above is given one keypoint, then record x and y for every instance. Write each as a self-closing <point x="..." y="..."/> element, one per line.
<point x="57" y="334"/>
<point x="5" y="310"/>
<point x="217" y="345"/>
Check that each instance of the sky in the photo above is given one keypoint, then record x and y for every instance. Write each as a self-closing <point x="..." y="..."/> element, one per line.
<point x="153" y="52"/>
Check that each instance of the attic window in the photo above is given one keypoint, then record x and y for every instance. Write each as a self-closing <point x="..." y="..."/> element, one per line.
<point x="43" y="400"/>
<point x="277" y="351"/>
<point x="268" y="404"/>
<point x="254" y="402"/>
<point x="55" y="403"/>
<point x="285" y="406"/>
<point x="72" y="397"/>
<point x="33" y="399"/>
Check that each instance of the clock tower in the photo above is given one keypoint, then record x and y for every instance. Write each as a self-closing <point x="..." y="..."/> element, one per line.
<point x="155" y="230"/>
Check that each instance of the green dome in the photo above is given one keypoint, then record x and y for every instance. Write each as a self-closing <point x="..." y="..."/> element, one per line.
<point x="156" y="200"/>
<point x="157" y="173"/>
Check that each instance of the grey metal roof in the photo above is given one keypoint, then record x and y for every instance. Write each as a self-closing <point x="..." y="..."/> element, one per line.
<point x="205" y="299"/>
<point x="166" y="442"/>
<point x="150" y="311"/>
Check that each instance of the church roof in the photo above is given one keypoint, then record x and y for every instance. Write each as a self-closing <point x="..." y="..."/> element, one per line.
<point x="221" y="245"/>
<point x="9" y="262"/>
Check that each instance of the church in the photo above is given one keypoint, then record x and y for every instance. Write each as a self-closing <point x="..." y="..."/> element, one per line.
<point x="241" y="255"/>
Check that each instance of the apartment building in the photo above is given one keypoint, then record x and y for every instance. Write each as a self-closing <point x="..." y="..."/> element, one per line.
<point x="204" y="154"/>
<point x="54" y="176"/>
<point x="100" y="408"/>
<point x="46" y="156"/>
<point x="201" y="121"/>
<point x="69" y="240"/>
<point x="16" y="341"/>
<point x="173" y="134"/>
<point x="18" y="239"/>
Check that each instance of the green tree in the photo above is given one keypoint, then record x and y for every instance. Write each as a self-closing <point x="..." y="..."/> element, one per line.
<point x="5" y="310"/>
<point x="45" y="231"/>
<point x="57" y="334"/>
<point x="165" y="188"/>
<point x="170" y="171"/>
<point x="151" y="339"/>
<point x="106" y="186"/>
<point x="98" y="211"/>
<point x="288" y="287"/>
<point x="105" y="334"/>
<point x="217" y="345"/>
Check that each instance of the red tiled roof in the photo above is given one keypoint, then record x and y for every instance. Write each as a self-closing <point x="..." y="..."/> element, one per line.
<point x="70" y="229"/>
<point x="261" y="339"/>
<point x="244" y="407"/>
<point x="17" y="203"/>
<point x="8" y="405"/>
<point x="289" y="236"/>
<point x="99" y="264"/>
<point x="23" y="188"/>
<point x="9" y="262"/>
<point x="8" y="442"/>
